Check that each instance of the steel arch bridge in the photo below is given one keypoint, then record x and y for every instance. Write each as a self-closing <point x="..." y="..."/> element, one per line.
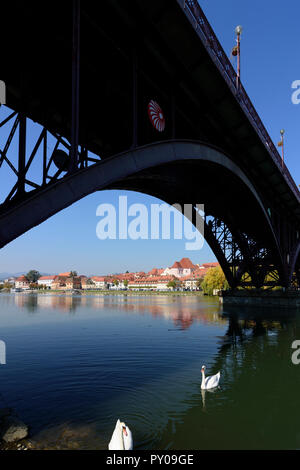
<point x="146" y="87"/>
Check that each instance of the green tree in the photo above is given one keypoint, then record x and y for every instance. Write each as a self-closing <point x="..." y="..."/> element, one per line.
<point x="115" y="282"/>
<point x="199" y="283"/>
<point x="73" y="273"/>
<point x="7" y="285"/>
<point x="214" y="279"/>
<point x="125" y="283"/>
<point x="32" y="275"/>
<point x="172" y="284"/>
<point x="33" y="285"/>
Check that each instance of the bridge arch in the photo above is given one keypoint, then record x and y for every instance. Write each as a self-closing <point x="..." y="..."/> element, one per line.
<point x="177" y="171"/>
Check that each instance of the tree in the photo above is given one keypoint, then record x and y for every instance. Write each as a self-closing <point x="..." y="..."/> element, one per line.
<point x="125" y="283"/>
<point x="73" y="273"/>
<point x="32" y="275"/>
<point x="7" y="285"/>
<point x="172" y="284"/>
<point x="115" y="282"/>
<point x="214" y="279"/>
<point x="33" y="285"/>
<point x="199" y="283"/>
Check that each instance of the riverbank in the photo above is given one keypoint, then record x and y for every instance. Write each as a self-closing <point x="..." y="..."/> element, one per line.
<point x="111" y="292"/>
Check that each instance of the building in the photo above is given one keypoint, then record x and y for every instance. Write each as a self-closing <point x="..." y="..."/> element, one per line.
<point x="10" y="280"/>
<point x="191" y="281"/>
<point x="22" y="283"/>
<point x="155" y="272"/>
<point x="100" y="282"/>
<point x="65" y="274"/>
<point x="87" y="283"/>
<point x="59" y="282"/>
<point x="73" y="282"/>
<point x="46" y="281"/>
<point x="209" y="265"/>
<point x="163" y="281"/>
<point x="180" y="268"/>
<point x="153" y="283"/>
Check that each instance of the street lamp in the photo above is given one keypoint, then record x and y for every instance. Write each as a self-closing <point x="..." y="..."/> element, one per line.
<point x="238" y="32"/>
<point x="281" y="144"/>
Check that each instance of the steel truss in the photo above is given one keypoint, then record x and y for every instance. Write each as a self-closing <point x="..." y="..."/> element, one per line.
<point x="55" y="164"/>
<point x="245" y="261"/>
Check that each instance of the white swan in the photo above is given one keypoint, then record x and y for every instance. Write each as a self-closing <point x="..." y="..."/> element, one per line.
<point x="209" y="382"/>
<point x="121" y="438"/>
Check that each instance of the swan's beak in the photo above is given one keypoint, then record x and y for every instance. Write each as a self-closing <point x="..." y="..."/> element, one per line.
<point x="124" y="431"/>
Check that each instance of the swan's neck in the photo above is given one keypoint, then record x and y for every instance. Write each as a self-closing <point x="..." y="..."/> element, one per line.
<point x="203" y="378"/>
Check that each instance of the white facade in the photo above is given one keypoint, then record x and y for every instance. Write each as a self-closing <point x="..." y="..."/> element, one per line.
<point x="178" y="272"/>
<point x="99" y="282"/>
<point x="46" y="281"/>
<point x="22" y="283"/>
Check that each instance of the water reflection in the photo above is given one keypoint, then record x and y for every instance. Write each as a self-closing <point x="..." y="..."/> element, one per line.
<point x="256" y="406"/>
<point x="183" y="311"/>
<point x="71" y="378"/>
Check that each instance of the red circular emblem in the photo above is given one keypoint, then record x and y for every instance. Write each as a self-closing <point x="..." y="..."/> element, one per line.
<point x="156" y="116"/>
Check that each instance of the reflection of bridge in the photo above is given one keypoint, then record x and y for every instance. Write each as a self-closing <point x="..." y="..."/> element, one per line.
<point x="213" y="148"/>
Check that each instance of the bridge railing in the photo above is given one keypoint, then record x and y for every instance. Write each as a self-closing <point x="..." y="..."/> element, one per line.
<point x="225" y="67"/>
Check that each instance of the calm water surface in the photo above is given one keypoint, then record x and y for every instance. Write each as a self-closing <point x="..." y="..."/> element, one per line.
<point x="77" y="363"/>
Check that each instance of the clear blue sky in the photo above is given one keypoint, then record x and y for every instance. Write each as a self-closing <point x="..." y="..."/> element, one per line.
<point x="270" y="63"/>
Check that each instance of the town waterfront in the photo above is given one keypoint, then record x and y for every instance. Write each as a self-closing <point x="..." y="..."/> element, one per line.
<point x="75" y="364"/>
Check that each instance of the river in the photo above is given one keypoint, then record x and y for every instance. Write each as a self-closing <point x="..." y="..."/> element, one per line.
<point x="75" y="364"/>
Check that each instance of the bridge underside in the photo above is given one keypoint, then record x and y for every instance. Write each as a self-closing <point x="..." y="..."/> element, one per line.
<point x="237" y="227"/>
<point x="92" y="70"/>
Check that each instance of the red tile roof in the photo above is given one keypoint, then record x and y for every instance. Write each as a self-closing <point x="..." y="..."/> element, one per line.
<point x="184" y="263"/>
<point x="153" y="280"/>
<point x="176" y="265"/>
<point x="98" y="278"/>
<point x="22" y="279"/>
<point x="210" y="265"/>
<point x="187" y="264"/>
<point x="45" y="278"/>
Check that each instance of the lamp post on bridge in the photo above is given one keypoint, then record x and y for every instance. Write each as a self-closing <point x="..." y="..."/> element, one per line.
<point x="281" y="144"/>
<point x="237" y="52"/>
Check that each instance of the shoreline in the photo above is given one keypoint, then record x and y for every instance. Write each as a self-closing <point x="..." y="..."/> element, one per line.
<point x="109" y="292"/>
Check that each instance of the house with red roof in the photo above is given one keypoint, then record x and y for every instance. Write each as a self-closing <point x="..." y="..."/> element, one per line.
<point x="100" y="282"/>
<point x="191" y="281"/>
<point x="22" y="282"/>
<point x="210" y="265"/>
<point x="180" y="268"/>
<point x="73" y="282"/>
<point x="152" y="283"/>
<point x="46" y="281"/>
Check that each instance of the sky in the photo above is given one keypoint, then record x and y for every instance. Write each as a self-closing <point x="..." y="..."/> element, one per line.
<point x="270" y="62"/>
